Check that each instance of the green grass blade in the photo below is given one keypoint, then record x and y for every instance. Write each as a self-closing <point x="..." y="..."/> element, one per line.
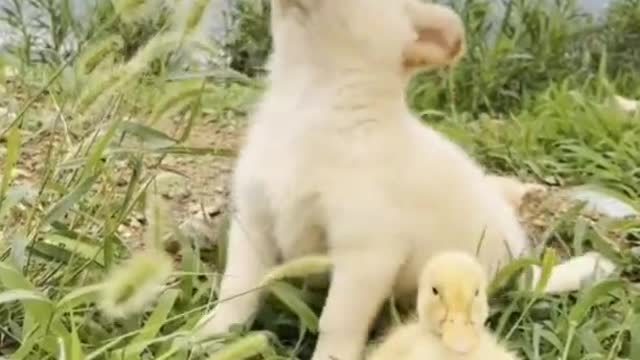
<point x="13" y="154"/>
<point x="79" y="296"/>
<point x="80" y="248"/>
<point x="549" y="260"/>
<point x="37" y="312"/>
<point x="244" y="348"/>
<point x="69" y="200"/>
<point x="152" y="327"/>
<point x="509" y="272"/>
<point x="292" y="298"/>
<point x="153" y="139"/>
<point x="588" y="299"/>
<point x="98" y="150"/>
<point x="634" y="353"/>
<point x="22" y="295"/>
<point x="75" y="350"/>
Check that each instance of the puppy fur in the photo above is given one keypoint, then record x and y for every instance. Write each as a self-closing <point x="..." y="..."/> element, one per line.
<point x="334" y="163"/>
<point x="513" y="189"/>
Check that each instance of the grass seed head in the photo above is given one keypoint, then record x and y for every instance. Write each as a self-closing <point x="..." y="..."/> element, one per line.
<point x="134" y="285"/>
<point x="136" y="10"/>
<point x="188" y="15"/>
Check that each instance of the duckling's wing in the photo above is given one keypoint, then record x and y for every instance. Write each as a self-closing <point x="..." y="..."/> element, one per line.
<point x="493" y="349"/>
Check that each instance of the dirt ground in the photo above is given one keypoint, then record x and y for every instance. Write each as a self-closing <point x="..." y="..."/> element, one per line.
<point x="195" y="187"/>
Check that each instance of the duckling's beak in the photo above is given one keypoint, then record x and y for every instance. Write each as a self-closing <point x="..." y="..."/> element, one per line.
<point x="459" y="334"/>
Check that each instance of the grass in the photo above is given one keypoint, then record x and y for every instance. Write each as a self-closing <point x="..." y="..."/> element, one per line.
<point x="85" y="139"/>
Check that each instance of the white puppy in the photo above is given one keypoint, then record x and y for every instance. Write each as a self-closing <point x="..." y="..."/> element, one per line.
<point x="335" y="163"/>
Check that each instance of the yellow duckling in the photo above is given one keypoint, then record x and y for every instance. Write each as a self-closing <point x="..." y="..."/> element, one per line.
<point x="452" y="308"/>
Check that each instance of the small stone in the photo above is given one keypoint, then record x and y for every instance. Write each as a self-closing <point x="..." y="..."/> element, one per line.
<point x="173" y="186"/>
<point x="199" y="231"/>
<point x="139" y="216"/>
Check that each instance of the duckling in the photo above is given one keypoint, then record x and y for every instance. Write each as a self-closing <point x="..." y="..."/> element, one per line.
<point x="452" y="307"/>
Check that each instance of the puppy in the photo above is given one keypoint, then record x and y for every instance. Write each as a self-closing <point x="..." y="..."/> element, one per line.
<point x="335" y="163"/>
<point x="513" y="189"/>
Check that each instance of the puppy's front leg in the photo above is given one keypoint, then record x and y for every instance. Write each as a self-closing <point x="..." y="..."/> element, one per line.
<point x="360" y="283"/>
<point x="250" y="255"/>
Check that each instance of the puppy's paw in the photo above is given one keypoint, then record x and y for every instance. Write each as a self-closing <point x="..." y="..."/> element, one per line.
<point x="440" y="36"/>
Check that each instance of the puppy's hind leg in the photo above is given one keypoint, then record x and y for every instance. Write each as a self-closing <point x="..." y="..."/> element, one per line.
<point x="572" y="274"/>
<point x="250" y="254"/>
<point x="360" y="283"/>
<point x="513" y="189"/>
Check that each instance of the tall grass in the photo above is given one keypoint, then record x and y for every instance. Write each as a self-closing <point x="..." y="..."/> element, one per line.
<point x="531" y="101"/>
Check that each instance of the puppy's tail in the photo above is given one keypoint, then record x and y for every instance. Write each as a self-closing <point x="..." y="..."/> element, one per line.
<point x="575" y="273"/>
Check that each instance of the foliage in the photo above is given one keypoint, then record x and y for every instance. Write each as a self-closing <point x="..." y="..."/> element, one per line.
<point x="623" y="36"/>
<point x="511" y="62"/>
<point x="531" y="99"/>
<point x="534" y="43"/>
<point x="248" y="45"/>
<point x="50" y="32"/>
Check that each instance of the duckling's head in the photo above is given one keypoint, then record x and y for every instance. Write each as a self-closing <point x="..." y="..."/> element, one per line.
<point x="452" y="299"/>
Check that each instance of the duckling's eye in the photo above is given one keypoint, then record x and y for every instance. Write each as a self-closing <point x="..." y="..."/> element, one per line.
<point x="434" y="291"/>
<point x="477" y="293"/>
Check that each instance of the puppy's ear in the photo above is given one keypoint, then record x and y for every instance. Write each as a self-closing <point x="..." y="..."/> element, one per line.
<point x="440" y="39"/>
